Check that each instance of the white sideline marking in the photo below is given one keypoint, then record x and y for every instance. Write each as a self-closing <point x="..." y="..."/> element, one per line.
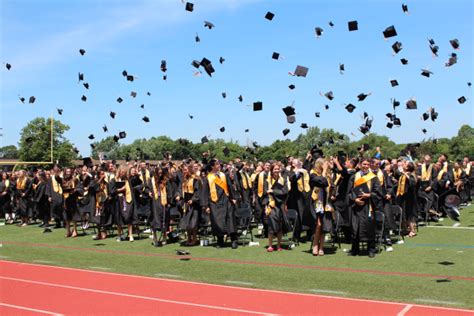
<point x="239" y="282"/>
<point x="30" y="309"/>
<point x="328" y="291"/>
<point x="4" y="257"/>
<point x="164" y="275"/>
<point x="136" y="296"/>
<point x="100" y="268"/>
<point x="437" y="302"/>
<point x="451" y="227"/>
<point x="405" y="310"/>
<point x="43" y="261"/>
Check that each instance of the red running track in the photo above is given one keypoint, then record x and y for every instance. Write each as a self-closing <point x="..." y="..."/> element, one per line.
<point x="46" y="290"/>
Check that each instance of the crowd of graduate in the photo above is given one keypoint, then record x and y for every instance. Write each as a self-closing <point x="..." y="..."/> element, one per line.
<point x="331" y="195"/>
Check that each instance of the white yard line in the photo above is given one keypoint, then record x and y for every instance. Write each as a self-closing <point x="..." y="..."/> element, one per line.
<point x="405" y="310"/>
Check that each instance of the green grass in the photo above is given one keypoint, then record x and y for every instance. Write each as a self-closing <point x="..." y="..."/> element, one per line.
<point x="422" y="255"/>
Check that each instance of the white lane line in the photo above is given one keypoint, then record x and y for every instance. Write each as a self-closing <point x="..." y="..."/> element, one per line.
<point x="437" y="302"/>
<point x="451" y="227"/>
<point x="405" y="310"/>
<point x="239" y="282"/>
<point x="164" y="275"/>
<point x="43" y="261"/>
<point x="100" y="268"/>
<point x="328" y="291"/>
<point x="137" y="296"/>
<point x="30" y="309"/>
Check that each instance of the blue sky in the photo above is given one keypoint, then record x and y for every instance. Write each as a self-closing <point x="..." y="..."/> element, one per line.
<point x="41" y="40"/>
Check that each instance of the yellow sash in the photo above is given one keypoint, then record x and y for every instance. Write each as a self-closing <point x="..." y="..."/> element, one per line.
<point x="467" y="170"/>
<point x="271" y="200"/>
<point x="303" y="182"/>
<point x="147" y="176"/>
<point x="457" y="174"/>
<point x="7" y="184"/>
<point x="73" y="185"/>
<point x="245" y="180"/>
<point x="440" y="174"/>
<point x="217" y="180"/>
<point x="445" y="166"/>
<point x="128" y="192"/>
<point x="380" y="176"/>
<point x="163" y="195"/>
<point x="426" y="173"/>
<point x="261" y="182"/>
<point x="155" y="190"/>
<point x="401" y="185"/>
<point x="56" y="187"/>
<point x="110" y="176"/>
<point x="338" y="178"/>
<point x="360" y="180"/>
<point x="102" y="194"/>
<point x="21" y="183"/>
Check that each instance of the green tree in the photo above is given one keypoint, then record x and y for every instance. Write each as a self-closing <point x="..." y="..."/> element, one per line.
<point x="463" y="144"/>
<point x="35" y="142"/>
<point x="108" y="146"/>
<point x="9" y="152"/>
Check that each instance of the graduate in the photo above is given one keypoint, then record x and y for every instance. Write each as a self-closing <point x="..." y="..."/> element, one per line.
<point x="245" y="183"/>
<point x="40" y="199"/>
<point x="102" y="215"/>
<point x="24" y="194"/>
<point x="86" y="199"/>
<point x="259" y="188"/>
<point x="161" y="195"/>
<point x="469" y="183"/>
<point x="143" y="205"/>
<point x="299" y="197"/>
<point x="217" y="201"/>
<point x="127" y="187"/>
<point x="5" y="198"/>
<point x="191" y="202"/>
<point x="406" y="197"/>
<point x="426" y="177"/>
<point x="70" y="193"/>
<point x="364" y="195"/>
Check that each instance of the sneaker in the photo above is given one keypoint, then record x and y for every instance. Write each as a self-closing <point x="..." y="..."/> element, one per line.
<point x="235" y="244"/>
<point x="147" y="231"/>
<point x="389" y="249"/>
<point x="130" y="238"/>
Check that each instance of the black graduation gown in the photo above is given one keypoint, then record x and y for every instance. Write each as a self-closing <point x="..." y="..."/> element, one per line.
<point x="41" y="202"/>
<point x="86" y="189"/>
<point x="71" y="210"/>
<point x="407" y="201"/>
<point x="56" y="198"/>
<point x="310" y="215"/>
<point x="422" y="185"/>
<point x="5" y="199"/>
<point x="102" y="216"/>
<point x="363" y="225"/>
<point x="143" y="201"/>
<point x="222" y="215"/>
<point x="341" y="204"/>
<point x="160" y="217"/>
<point x="299" y="200"/>
<point x="24" y="199"/>
<point x="277" y="219"/>
<point x="192" y="212"/>
<point x="259" y="200"/>
<point x="245" y="192"/>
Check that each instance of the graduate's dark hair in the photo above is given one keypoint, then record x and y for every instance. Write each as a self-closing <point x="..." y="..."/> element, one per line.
<point x="410" y="167"/>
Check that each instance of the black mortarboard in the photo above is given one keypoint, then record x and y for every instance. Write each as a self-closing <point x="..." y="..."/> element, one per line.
<point x="226" y="151"/>
<point x="462" y="99"/>
<point x="317" y="152"/>
<point x="196" y="38"/>
<point x="291" y="86"/>
<point x="221" y="60"/>
<point x="331" y="24"/>
<point x="142" y="106"/>
<point x="404" y="61"/>
<point x="395" y="103"/>
<point x="425" y="116"/>
<point x="397" y="121"/>
<point x="434" y="49"/>
<point x="163" y="66"/>
<point x="411" y="104"/>
<point x="60" y="111"/>
<point x="257" y="106"/>
<point x="190" y="116"/>
<point x="350" y="107"/>
<point x="319" y="31"/>
<point x="112" y="114"/>
<point x="452" y="202"/>
<point x="124" y="73"/>
<point x="146" y="119"/>
<point x="119" y="100"/>
<point x="122" y="135"/>
<point x="207" y="64"/>
<point x="304" y="125"/>
<point x="390" y="32"/>
<point x="452" y="60"/>
<point x="222" y="129"/>
<point x="275" y="55"/>
<point x="362" y="96"/>
<point x="317" y="114"/>
<point x="84" y="98"/>
<point x="224" y="95"/>
<point x="208" y="24"/>
<point x="241" y="98"/>
<point x="426" y="73"/>
<point x="189" y="6"/>
<point x="105" y="128"/>
<point x="454" y="43"/>
<point x="434" y="114"/>
<point x="405" y="8"/>
<point x="326" y="106"/>
<point x="469" y="84"/>
<point x="116" y="138"/>
<point x="133" y="94"/>
<point x="76" y="150"/>
<point x="341" y="68"/>
<point x="397" y="46"/>
<point x="390" y="125"/>
<point x="130" y="78"/>
<point x="86" y="85"/>
<point x="424" y="130"/>
<point x="82" y="52"/>
<point x="196" y="63"/>
<point x="366" y="115"/>
<point x="165" y="77"/>
<point x="353" y="26"/>
<point x="81" y="76"/>
<point x="286" y="131"/>
<point x="289" y="110"/>
<point x="394" y="82"/>
<point x="91" y="136"/>
<point x="32" y="99"/>
<point x="364" y="129"/>
<point x="204" y="140"/>
<point x="301" y="71"/>
<point x="389" y="115"/>
<point x="269" y="16"/>
<point x="87" y="161"/>
<point x="22" y="99"/>
<point x="148" y="93"/>
<point x="247" y="130"/>
<point x="8" y="66"/>
<point x="328" y="95"/>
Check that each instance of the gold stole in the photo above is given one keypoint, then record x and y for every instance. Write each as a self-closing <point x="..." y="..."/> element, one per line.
<point x="110" y="176"/>
<point x="56" y="187"/>
<point x="401" y="185"/>
<point x="188" y="186"/>
<point x="315" y="193"/>
<point x="73" y="186"/>
<point x="359" y="179"/>
<point x="440" y="174"/>
<point x="128" y="192"/>
<point x="147" y="176"/>
<point x="102" y="194"/>
<point x="468" y="169"/>
<point x="20" y="185"/>
<point x="303" y="183"/>
<point x="245" y="180"/>
<point x="271" y="200"/>
<point x="217" y="180"/>
<point x="260" y="183"/>
<point x="426" y="173"/>
<point x="457" y="174"/>
<point x="380" y="176"/>
<point x="338" y="178"/>
<point x="7" y="184"/>
<point x="445" y="166"/>
<point x="163" y="195"/>
<point x="155" y="190"/>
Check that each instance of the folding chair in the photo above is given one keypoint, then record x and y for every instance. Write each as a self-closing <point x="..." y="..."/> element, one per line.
<point x="379" y="230"/>
<point x="397" y="212"/>
<point x="423" y="205"/>
<point x="244" y="218"/>
<point x="337" y="230"/>
<point x="293" y="219"/>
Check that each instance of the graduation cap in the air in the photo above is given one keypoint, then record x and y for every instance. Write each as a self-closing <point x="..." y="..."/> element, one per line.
<point x="130" y="78"/>
<point x="119" y="100"/>
<point x="434" y="48"/>
<point x="204" y="140"/>
<point x="326" y="107"/>
<point x="329" y="95"/>
<point x="397" y="46"/>
<point x="22" y="99"/>
<point x="80" y="76"/>
<point x="393" y="83"/>
<point x="301" y="71"/>
<point x="404" y="61"/>
<point x="146" y="119"/>
<point x="60" y="111"/>
<point x="165" y="77"/>
<point x="221" y="60"/>
<point x="454" y="43"/>
<point x="84" y="98"/>
<point x="469" y="84"/>
<point x="411" y="104"/>
<point x="32" y="100"/>
<point x="196" y="38"/>
<point x="133" y="94"/>
<point x="350" y="107"/>
<point x="105" y="128"/>
<point x="424" y="130"/>
<point x="353" y="26"/>
<point x="87" y="161"/>
<point x="397" y="121"/>
<point x="190" y="116"/>
<point x="341" y="68"/>
<point x="317" y="152"/>
<point x="241" y="98"/>
<point x="426" y="73"/>
<point x="434" y="114"/>
<point x="291" y="86"/>
<point x="82" y="51"/>
<point x="290" y="114"/>
<point x="91" y="136"/>
<point x="257" y="106"/>
<point x="363" y="96"/>
<point x="142" y="106"/>
<point x="286" y="131"/>
<point x="331" y="24"/>
<point x="222" y="129"/>
<point x="390" y="125"/>
<point x="269" y="16"/>
<point x="86" y="85"/>
<point x="425" y="116"/>
<point x="196" y="63"/>
<point x="163" y="66"/>
<point x="112" y="114"/>
<point x="208" y="24"/>
<point x="304" y="125"/>
<point x="317" y="114"/>
<point x="275" y="55"/>
<point x="405" y="8"/>
<point x="122" y="135"/>
<point x="319" y="31"/>
<point x="390" y="32"/>
<point x="189" y="6"/>
<point x="224" y="95"/>
<point x="247" y="130"/>
<point x="148" y="93"/>
<point x="207" y="64"/>
<point x="462" y="99"/>
<point x="8" y="66"/>
<point x="395" y="103"/>
<point x="453" y="59"/>
<point x="116" y="138"/>
<point x="124" y="73"/>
